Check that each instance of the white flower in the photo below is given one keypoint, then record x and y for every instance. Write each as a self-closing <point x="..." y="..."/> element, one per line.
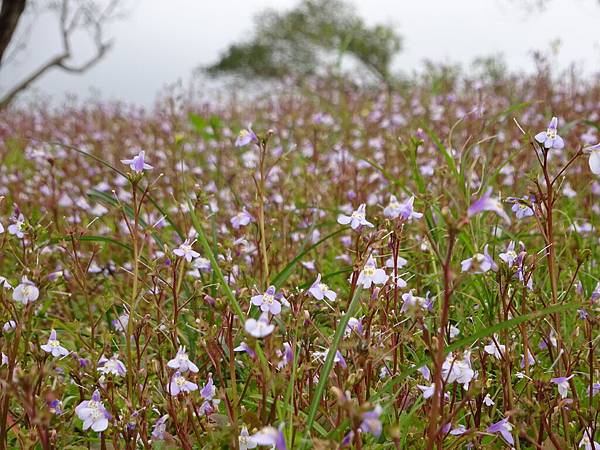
<point x="594" y="161"/>
<point x="370" y="274"/>
<point x="182" y="363"/>
<point x="356" y="219"/>
<point x="320" y="290"/>
<point x="494" y="348"/>
<point x="459" y="371"/>
<point x="54" y="347"/>
<point x="245" y="440"/>
<point x="93" y="413"/>
<point x="488" y="400"/>
<point x="259" y="328"/>
<point x="185" y="251"/>
<point x="16" y="228"/>
<point x="26" y="292"/>
<point x="586" y="441"/>
<point x="428" y="391"/>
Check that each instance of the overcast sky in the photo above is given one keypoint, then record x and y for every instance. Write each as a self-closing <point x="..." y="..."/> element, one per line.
<point x="162" y="41"/>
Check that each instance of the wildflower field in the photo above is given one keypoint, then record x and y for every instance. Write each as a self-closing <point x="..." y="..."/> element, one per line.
<point x="329" y="265"/>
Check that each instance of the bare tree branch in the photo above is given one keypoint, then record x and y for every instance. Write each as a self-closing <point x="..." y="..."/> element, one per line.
<point x="87" y="16"/>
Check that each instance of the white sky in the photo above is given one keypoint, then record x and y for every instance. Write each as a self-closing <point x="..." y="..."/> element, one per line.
<point x="162" y="41"/>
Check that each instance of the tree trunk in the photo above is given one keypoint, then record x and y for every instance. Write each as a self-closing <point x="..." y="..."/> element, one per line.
<point x="9" y="18"/>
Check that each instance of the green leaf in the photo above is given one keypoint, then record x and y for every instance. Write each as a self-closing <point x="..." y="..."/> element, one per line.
<point x="215" y="266"/>
<point x="328" y="365"/>
<point x="282" y="276"/>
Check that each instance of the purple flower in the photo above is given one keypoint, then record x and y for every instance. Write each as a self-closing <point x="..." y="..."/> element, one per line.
<point x="181" y="362"/>
<point x="563" y="385"/>
<point x="185" y="251"/>
<point x="550" y="138"/>
<point x="137" y="163"/>
<point x="270" y="436"/>
<point x="503" y="427"/>
<point x="354" y="325"/>
<point x="427" y="390"/>
<point x="595" y="389"/>
<point x="287" y="355"/>
<point x="371" y="422"/>
<point x="594" y="161"/>
<point x="259" y="328"/>
<point x="479" y="263"/>
<point x="243" y="347"/>
<point x="93" y="413"/>
<point x="54" y="347"/>
<point x="56" y="407"/>
<point x="245" y="137"/>
<point x="412" y="302"/>
<point x="269" y="301"/>
<point x="521" y="207"/>
<point x="159" y="428"/>
<point x="587" y="440"/>
<point x="241" y="219"/>
<point x="487" y="203"/>
<point x="179" y="384"/>
<point x="245" y="440"/>
<point x="320" y="290"/>
<point x="494" y="348"/>
<point x="209" y="390"/>
<point x="370" y="274"/>
<point x="403" y="210"/>
<point x="26" y="292"/>
<point x="111" y="366"/>
<point x="510" y="256"/>
<point x="357" y="219"/>
<point x="337" y="359"/>
<point x="17" y="227"/>
<point x="458" y="370"/>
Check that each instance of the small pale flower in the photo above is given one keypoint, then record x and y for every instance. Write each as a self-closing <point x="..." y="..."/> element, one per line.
<point x="370" y="274"/>
<point x="181" y="362"/>
<point x="479" y="263"/>
<point x="487" y="203"/>
<point x="241" y="219"/>
<point x="357" y="219"/>
<point x="269" y="301"/>
<point x="270" y="436"/>
<point x="404" y="210"/>
<point x="137" y="163"/>
<point x="587" y="441"/>
<point x="159" y="428"/>
<point x="26" y="292"/>
<point x="245" y="440"/>
<point x="245" y="136"/>
<point x="93" y="413"/>
<point x="562" y="383"/>
<point x="179" y="384"/>
<point x="186" y="251"/>
<point x="504" y="427"/>
<point x="259" y="328"/>
<point x="320" y="290"/>
<point x="510" y="255"/>
<point x="53" y="346"/>
<point x="371" y="422"/>
<point x="594" y="160"/>
<point x="521" y="207"/>
<point x="18" y="227"/>
<point x="487" y="401"/>
<point x="550" y="138"/>
<point x="494" y="348"/>
<point x="112" y="366"/>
